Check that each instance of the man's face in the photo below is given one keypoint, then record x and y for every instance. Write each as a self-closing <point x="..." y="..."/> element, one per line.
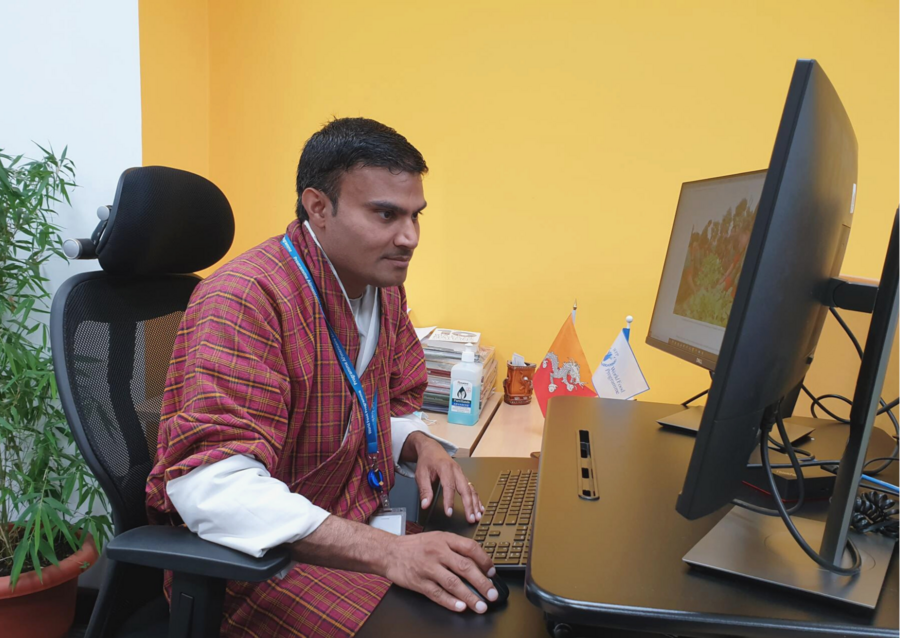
<point x="372" y="237"/>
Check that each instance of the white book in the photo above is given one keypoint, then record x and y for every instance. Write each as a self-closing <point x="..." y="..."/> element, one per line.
<point x="450" y="340"/>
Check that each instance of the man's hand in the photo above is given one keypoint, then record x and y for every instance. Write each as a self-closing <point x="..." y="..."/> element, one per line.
<point x="433" y="462"/>
<point x="432" y="564"/>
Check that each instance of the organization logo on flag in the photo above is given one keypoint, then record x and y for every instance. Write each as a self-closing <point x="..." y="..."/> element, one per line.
<point x="619" y="375"/>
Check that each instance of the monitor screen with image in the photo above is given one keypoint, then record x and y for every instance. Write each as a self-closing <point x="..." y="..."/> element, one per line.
<point x="706" y="251"/>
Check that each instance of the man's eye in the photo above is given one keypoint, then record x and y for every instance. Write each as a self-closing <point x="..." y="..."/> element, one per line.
<point x="386" y="214"/>
<point x="417" y="215"/>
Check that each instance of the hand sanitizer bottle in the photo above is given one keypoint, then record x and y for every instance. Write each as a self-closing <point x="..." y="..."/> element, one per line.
<point x="465" y="389"/>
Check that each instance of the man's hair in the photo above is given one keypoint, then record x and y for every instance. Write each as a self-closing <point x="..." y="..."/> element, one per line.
<point x="347" y="143"/>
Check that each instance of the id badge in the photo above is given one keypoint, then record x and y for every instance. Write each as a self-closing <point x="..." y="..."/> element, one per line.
<point x="392" y="520"/>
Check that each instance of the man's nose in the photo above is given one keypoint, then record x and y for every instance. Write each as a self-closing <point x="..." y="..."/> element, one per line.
<point x="408" y="237"/>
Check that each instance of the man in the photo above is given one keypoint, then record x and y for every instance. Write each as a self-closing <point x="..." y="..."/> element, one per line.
<point x="266" y="439"/>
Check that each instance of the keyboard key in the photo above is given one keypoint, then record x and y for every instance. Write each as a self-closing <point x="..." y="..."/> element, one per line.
<point x="496" y="532"/>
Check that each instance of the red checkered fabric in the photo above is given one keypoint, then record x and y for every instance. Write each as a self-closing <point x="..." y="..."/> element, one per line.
<point x="253" y="372"/>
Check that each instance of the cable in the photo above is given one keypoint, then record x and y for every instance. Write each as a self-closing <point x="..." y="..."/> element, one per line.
<point x="833" y="468"/>
<point x="785" y="516"/>
<point x="880" y="458"/>
<point x="779" y="466"/>
<point x="840" y="320"/>
<point x="878" y="489"/>
<point x="890" y="406"/>
<point x="885" y="407"/>
<point x="873" y="512"/>
<point x="859" y="351"/>
<point x="875" y="481"/>
<point x="778" y="447"/>
<point x="817" y="401"/>
<point x="795" y="465"/>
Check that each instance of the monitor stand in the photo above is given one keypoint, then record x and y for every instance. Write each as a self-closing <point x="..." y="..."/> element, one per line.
<point x="689" y="421"/>
<point x="760" y="547"/>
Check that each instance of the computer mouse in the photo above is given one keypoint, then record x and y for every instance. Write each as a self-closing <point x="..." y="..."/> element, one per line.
<point x="502" y="592"/>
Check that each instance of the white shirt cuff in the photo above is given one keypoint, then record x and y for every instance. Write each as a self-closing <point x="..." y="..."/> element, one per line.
<point x="401" y="428"/>
<point x="236" y="503"/>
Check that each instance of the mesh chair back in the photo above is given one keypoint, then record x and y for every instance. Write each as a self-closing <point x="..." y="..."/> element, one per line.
<point x="112" y="340"/>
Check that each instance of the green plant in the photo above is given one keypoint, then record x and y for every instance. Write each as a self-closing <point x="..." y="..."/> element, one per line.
<point x="41" y="471"/>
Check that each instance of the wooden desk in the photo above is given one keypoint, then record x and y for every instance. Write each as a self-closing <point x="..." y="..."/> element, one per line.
<point x="466" y="437"/>
<point x="516" y="430"/>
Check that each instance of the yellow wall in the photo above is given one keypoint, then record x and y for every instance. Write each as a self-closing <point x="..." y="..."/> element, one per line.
<point x="557" y="133"/>
<point x="175" y="83"/>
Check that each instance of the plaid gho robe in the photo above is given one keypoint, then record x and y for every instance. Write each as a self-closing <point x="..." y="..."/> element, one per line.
<point x="253" y="372"/>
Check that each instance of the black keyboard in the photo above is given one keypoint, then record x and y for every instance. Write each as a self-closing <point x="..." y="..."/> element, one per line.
<point x="505" y="528"/>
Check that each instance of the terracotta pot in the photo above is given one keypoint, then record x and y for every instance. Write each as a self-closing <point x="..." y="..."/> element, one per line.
<point x="44" y="609"/>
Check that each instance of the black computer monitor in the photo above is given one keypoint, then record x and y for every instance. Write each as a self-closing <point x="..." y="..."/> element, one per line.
<point x="796" y="246"/>
<point x="793" y="258"/>
<point x="710" y="236"/>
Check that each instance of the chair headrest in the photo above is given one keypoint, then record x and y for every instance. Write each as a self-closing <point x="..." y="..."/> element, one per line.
<point x="165" y="221"/>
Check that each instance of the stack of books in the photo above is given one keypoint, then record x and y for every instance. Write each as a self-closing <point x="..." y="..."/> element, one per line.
<point x="443" y="350"/>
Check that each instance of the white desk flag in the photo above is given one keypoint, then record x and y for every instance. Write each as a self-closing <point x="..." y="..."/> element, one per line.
<point x="619" y="376"/>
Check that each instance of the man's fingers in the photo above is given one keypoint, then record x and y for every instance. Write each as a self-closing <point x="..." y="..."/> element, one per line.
<point x="476" y="503"/>
<point x="469" y="497"/>
<point x="458" y="590"/>
<point x="448" y="482"/>
<point x="469" y="548"/>
<point x="466" y="568"/>
<point x="436" y="592"/>
<point x="425" y="493"/>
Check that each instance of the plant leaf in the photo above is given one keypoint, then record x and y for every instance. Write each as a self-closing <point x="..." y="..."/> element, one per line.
<point x="18" y="561"/>
<point x="35" y="559"/>
<point x="48" y="552"/>
<point x="62" y="527"/>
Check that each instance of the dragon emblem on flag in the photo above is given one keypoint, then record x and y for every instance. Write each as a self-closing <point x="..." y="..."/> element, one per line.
<point x="569" y="372"/>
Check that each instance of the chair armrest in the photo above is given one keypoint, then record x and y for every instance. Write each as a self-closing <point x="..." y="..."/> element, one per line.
<point x="182" y="551"/>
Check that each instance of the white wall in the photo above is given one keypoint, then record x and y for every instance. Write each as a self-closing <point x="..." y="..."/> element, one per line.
<point x="71" y="76"/>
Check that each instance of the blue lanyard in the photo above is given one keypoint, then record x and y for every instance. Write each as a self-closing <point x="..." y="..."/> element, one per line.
<point x="374" y="477"/>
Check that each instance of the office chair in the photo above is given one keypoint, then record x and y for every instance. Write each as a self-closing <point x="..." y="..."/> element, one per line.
<point x="112" y="333"/>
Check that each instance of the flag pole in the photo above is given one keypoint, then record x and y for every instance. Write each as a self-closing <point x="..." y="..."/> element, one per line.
<point x="574" y="308"/>
<point x="627" y="330"/>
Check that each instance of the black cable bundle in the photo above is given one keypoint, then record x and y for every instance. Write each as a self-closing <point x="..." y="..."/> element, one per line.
<point x="873" y="512"/>
<point x="885" y="406"/>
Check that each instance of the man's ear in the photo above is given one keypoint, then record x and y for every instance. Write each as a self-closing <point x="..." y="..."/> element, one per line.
<point x="318" y="207"/>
